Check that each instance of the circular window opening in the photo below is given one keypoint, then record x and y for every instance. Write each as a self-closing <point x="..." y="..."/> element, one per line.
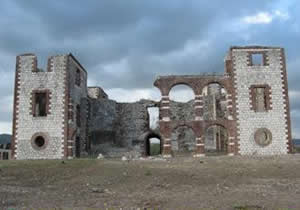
<point x="39" y="141"/>
<point x="263" y="137"/>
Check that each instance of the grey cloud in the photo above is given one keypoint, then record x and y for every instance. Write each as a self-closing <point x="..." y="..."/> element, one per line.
<point x="104" y="32"/>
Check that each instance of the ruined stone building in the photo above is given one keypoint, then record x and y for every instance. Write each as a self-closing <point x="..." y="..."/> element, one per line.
<point x="243" y="111"/>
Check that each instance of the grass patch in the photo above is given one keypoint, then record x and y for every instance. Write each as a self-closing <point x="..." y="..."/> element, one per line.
<point x="154" y="149"/>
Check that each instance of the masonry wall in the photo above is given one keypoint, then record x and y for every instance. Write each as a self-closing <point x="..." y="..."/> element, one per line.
<point x="117" y="127"/>
<point x="77" y="96"/>
<point x="26" y="125"/>
<point x="275" y="120"/>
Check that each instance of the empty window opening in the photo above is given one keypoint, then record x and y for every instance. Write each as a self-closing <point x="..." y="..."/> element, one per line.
<point x="78" y="78"/>
<point x="153" y="146"/>
<point x="153" y="114"/>
<point x="183" y="141"/>
<point x="181" y="93"/>
<point x="78" y="122"/>
<point x="39" y="141"/>
<point x="77" y="147"/>
<point x="257" y="59"/>
<point x="215" y="103"/>
<point x="260" y="99"/>
<point x="5" y="156"/>
<point x="216" y="140"/>
<point x="40" y="108"/>
<point x="181" y="103"/>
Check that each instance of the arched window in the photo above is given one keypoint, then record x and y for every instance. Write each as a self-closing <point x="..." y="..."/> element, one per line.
<point x="182" y="103"/>
<point x="215" y="103"/>
<point x="77" y="78"/>
<point x="181" y="93"/>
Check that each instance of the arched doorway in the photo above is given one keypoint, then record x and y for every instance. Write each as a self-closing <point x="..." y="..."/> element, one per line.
<point x="153" y="145"/>
<point x="215" y="103"/>
<point x="183" y="141"/>
<point x="216" y="140"/>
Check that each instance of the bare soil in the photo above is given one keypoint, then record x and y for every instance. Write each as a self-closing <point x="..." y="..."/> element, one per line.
<point x="180" y="183"/>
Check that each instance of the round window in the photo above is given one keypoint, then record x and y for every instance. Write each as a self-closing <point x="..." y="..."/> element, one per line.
<point x="39" y="141"/>
<point x="263" y="137"/>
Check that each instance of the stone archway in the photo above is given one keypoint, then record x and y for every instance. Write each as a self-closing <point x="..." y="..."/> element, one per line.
<point x="183" y="141"/>
<point x="152" y="147"/>
<point x="216" y="140"/>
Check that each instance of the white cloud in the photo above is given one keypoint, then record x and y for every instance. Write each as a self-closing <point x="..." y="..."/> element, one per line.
<point x="5" y="127"/>
<point x="259" y="18"/>
<point x="265" y="17"/>
<point x="281" y="15"/>
<point x="122" y="95"/>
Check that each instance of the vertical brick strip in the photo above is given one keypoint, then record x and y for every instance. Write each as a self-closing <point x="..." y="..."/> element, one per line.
<point x="286" y="102"/>
<point x="235" y="110"/>
<point x="66" y="109"/>
<point x="15" y="108"/>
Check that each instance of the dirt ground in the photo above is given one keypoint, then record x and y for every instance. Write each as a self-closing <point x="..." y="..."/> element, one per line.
<point x="180" y="183"/>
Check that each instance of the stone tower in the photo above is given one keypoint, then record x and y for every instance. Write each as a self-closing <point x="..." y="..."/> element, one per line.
<point x="262" y="102"/>
<point x="49" y="119"/>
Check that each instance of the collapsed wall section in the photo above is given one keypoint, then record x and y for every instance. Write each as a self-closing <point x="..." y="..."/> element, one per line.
<point x="117" y="128"/>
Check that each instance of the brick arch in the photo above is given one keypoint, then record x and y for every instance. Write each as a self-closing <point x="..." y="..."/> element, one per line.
<point x="223" y="125"/>
<point x="191" y="86"/>
<point x="223" y="83"/>
<point x="187" y="124"/>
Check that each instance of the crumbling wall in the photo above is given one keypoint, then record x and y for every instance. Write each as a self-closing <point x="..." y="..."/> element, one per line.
<point x="116" y="128"/>
<point x="183" y="112"/>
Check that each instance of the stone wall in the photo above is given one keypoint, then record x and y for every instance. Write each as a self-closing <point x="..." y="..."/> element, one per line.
<point x="77" y="97"/>
<point x="118" y="127"/>
<point x="26" y="125"/>
<point x="250" y="121"/>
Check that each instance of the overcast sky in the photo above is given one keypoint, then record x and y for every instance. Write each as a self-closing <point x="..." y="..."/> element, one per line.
<point x="124" y="45"/>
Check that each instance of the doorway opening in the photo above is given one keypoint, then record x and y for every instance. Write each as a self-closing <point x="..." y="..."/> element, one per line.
<point x="153" y="145"/>
<point x="216" y="140"/>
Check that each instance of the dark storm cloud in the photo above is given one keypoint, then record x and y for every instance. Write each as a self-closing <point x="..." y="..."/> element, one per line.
<point x="125" y="44"/>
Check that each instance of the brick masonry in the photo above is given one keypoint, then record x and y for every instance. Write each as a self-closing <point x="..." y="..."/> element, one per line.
<point x="113" y="128"/>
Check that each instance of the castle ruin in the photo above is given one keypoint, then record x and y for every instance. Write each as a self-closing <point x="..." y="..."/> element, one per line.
<point x="244" y="111"/>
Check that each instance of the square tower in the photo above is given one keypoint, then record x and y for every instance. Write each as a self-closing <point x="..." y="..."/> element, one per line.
<point x="49" y="119"/>
<point x="262" y="102"/>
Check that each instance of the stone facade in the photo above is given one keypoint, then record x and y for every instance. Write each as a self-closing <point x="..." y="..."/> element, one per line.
<point x="57" y="116"/>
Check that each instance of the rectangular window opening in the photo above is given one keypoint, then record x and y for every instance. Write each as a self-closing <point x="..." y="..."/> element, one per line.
<point x="78" y="78"/>
<point x="40" y="109"/>
<point x="257" y="59"/>
<point x="261" y="99"/>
